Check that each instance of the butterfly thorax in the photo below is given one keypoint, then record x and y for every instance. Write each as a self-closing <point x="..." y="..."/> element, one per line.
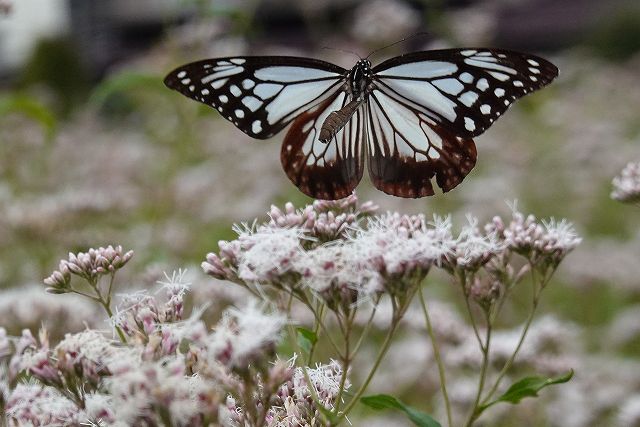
<point x="358" y="80"/>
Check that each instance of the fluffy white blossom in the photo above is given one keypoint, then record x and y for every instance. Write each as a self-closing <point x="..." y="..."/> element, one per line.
<point x="626" y="186"/>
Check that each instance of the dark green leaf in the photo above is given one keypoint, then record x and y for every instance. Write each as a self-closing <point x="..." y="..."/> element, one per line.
<point x="306" y="338"/>
<point x="384" y="401"/>
<point x="528" y="387"/>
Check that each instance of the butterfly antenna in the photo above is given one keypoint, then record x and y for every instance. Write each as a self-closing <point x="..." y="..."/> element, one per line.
<point x="342" y="50"/>
<point x="422" y="33"/>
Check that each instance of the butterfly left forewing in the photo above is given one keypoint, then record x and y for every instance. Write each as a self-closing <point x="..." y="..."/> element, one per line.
<point x="325" y="170"/>
<point x="463" y="90"/>
<point x="259" y="94"/>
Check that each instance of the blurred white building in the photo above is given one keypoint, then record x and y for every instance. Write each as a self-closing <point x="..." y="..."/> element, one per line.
<point x="29" y="21"/>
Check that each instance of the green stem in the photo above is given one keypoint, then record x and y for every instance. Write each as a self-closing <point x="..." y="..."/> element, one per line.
<point x="511" y="359"/>
<point x="346" y="362"/>
<point x="316" y="331"/>
<point x="305" y="373"/>
<point x="365" y="332"/>
<point x="475" y="410"/>
<point x="381" y="354"/>
<point x="436" y="354"/>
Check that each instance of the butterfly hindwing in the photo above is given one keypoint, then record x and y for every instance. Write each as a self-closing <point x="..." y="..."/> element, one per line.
<point x="258" y="94"/>
<point x="322" y="170"/>
<point x="407" y="149"/>
<point x="464" y="90"/>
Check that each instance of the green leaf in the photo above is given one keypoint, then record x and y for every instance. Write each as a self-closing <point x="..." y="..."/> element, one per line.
<point x="306" y="338"/>
<point x="528" y="387"/>
<point x="125" y="82"/>
<point x="30" y="108"/>
<point x="384" y="401"/>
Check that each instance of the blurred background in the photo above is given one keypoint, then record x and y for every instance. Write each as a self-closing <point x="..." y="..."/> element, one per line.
<point x="94" y="150"/>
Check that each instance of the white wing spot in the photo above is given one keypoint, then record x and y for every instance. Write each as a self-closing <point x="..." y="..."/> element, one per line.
<point x="205" y="91"/>
<point x="238" y="61"/>
<point x="518" y="83"/>
<point x="235" y="90"/>
<point x="499" y="92"/>
<point x="223" y="67"/>
<point x="186" y="81"/>
<point x="469" y="124"/>
<point x="499" y="76"/>
<point x="466" y="77"/>
<point x="534" y="70"/>
<point x="485" y="63"/>
<point x="423" y="69"/>
<point x="482" y="84"/>
<point x="450" y="86"/>
<point x="192" y="88"/>
<point x="533" y="62"/>
<point x="506" y="102"/>
<point x="221" y="74"/>
<point x="267" y="90"/>
<point x="252" y="103"/>
<point x="485" y="108"/>
<point x="223" y="98"/>
<point x="248" y="84"/>
<point x="218" y="83"/>
<point x="181" y="74"/>
<point x="468" y="98"/>
<point x="239" y="113"/>
<point x="533" y="78"/>
<point x="469" y="52"/>
<point x="256" y="127"/>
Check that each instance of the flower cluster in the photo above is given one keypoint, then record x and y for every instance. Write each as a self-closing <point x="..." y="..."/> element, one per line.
<point x="364" y="257"/>
<point x="90" y="266"/>
<point x="225" y="376"/>
<point x="626" y="186"/>
<point x="539" y="241"/>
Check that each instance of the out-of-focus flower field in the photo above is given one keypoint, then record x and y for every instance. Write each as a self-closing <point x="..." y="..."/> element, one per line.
<point x="122" y="160"/>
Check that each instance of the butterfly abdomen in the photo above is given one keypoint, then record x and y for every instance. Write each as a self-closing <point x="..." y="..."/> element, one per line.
<point x="337" y="119"/>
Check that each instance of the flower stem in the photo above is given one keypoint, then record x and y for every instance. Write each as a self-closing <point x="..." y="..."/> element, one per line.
<point x="381" y="353"/>
<point x="509" y="361"/>
<point x="475" y="410"/>
<point x="436" y="355"/>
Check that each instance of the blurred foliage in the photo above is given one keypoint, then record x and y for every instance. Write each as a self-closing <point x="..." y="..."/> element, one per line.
<point x="617" y="37"/>
<point x="56" y="65"/>
<point x="31" y="108"/>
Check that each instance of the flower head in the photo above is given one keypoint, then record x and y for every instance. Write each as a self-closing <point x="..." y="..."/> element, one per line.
<point x="244" y="336"/>
<point x="90" y="265"/>
<point x="626" y="186"/>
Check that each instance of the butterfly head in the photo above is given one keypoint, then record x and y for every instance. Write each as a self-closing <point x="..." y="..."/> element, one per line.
<point x="359" y="76"/>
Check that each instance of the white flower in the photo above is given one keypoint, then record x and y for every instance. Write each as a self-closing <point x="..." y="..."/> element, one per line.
<point x="268" y="253"/>
<point x="244" y="335"/>
<point x="626" y="186"/>
<point x="629" y="413"/>
<point x="33" y="404"/>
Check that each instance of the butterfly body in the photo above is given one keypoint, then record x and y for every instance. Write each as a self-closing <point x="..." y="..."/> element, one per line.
<point x="410" y="119"/>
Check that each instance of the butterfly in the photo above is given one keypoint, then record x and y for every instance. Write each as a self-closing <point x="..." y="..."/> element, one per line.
<point x="410" y="118"/>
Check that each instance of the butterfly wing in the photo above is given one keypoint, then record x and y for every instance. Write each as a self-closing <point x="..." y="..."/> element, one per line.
<point x="258" y="94"/>
<point x="407" y="148"/>
<point x="463" y="90"/>
<point x="322" y="170"/>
